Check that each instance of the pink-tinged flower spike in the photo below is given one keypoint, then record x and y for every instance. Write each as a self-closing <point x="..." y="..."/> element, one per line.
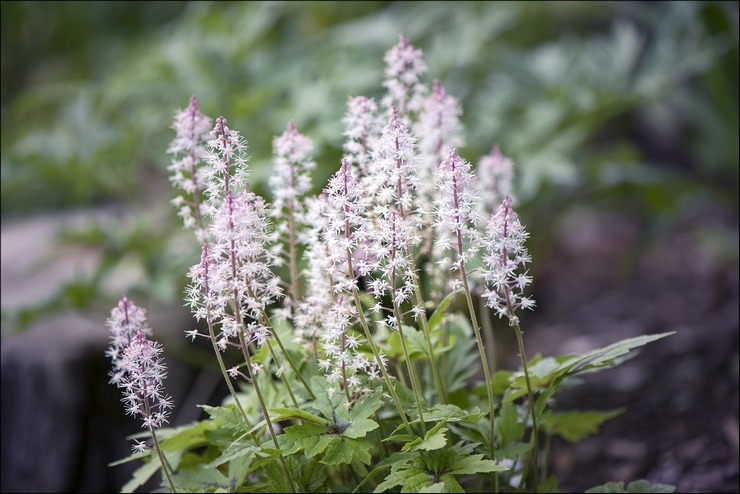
<point x="189" y="149"/>
<point x="456" y="219"/>
<point x="395" y="164"/>
<point x="143" y="390"/>
<point x="142" y="370"/>
<point x="456" y="215"/>
<point x="242" y="263"/>
<point x="125" y="320"/>
<point x="505" y="255"/>
<point x="319" y="274"/>
<point x="404" y="68"/>
<point x="495" y="174"/>
<point x="363" y="126"/>
<point x="226" y="155"/>
<point x="346" y="230"/>
<point x="290" y="182"/>
<point x="439" y="130"/>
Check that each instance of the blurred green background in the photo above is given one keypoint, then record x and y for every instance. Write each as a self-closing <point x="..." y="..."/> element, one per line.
<point x="630" y="106"/>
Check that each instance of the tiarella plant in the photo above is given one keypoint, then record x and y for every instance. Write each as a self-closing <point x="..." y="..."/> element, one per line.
<point x="355" y="371"/>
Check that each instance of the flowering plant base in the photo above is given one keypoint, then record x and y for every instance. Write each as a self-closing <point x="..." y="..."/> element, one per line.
<point x="358" y="373"/>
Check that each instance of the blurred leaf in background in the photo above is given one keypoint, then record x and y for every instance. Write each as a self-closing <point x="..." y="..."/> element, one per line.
<point x="629" y="104"/>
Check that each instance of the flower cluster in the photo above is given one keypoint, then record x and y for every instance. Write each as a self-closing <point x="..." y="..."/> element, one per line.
<point x="456" y="214"/>
<point x="495" y="175"/>
<point x="189" y="149"/>
<point x="505" y="254"/>
<point x="403" y="71"/>
<point x="138" y="366"/>
<point x="125" y="321"/>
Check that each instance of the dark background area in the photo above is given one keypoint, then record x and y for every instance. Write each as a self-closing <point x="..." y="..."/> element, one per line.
<point x="621" y="119"/>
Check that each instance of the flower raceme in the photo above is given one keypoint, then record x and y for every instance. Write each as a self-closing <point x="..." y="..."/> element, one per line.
<point x="505" y="254"/>
<point x="125" y="321"/>
<point x="139" y="367"/>
<point x="189" y="149"/>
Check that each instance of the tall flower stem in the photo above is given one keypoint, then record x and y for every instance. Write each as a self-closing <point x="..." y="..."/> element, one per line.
<point x="488" y="338"/>
<point x="282" y="375"/>
<point x="374" y="349"/>
<point x="162" y="459"/>
<point x="261" y="400"/>
<point x="267" y="322"/>
<point x="411" y="369"/>
<point x="484" y="362"/>
<point x="532" y="406"/>
<point x="441" y="388"/>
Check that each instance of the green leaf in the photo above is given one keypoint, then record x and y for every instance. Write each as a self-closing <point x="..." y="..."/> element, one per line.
<point x="145" y="472"/>
<point x="435" y="438"/>
<point x="237" y="449"/>
<point x="435" y="320"/>
<point x="400" y="477"/>
<point x="337" y="451"/>
<point x="360" y="428"/>
<point x="450" y="484"/>
<point x="634" y="487"/>
<point x="295" y="413"/>
<point x="201" y="479"/>
<point x="468" y="465"/>
<point x="141" y="475"/>
<point x="575" y="425"/>
<point x="508" y="426"/>
<point x="226" y="415"/>
<point x="189" y="437"/>
<point x="366" y="406"/>
<point x="299" y="437"/>
<point x="549" y="485"/>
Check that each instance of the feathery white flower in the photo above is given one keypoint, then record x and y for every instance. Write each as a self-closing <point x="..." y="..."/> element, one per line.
<point x="495" y="174"/>
<point x="456" y="213"/>
<point x="404" y="68"/>
<point x="189" y="150"/>
<point x="505" y="254"/>
<point x="126" y="319"/>
<point x="362" y="128"/>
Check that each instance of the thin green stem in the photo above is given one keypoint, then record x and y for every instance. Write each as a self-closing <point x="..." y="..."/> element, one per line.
<point x="374" y="349"/>
<point x="532" y="405"/>
<point x="162" y="458"/>
<point x="261" y="400"/>
<point x="441" y="389"/>
<point x="484" y="362"/>
<point x="488" y="338"/>
<point x="266" y="320"/>
<point x="282" y="375"/>
<point x="411" y="369"/>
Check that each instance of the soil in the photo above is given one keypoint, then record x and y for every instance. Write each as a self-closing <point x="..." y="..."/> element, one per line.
<point x="606" y="278"/>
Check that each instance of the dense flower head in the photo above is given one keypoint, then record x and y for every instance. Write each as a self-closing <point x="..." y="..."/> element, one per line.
<point x="495" y="174"/>
<point x="125" y="321"/>
<point x="290" y="180"/>
<point x="143" y="390"/>
<point x="362" y="128"/>
<point x="394" y="167"/>
<point x="439" y="130"/>
<point x="347" y="229"/>
<point x="505" y="255"/>
<point x="226" y="155"/>
<point x="339" y="347"/>
<point x="456" y="213"/>
<point x="319" y="273"/>
<point x="189" y="149"/>
<point x="404" y="68"/>
<point x="395" y="275"/>
<point x="241" y="260"/>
